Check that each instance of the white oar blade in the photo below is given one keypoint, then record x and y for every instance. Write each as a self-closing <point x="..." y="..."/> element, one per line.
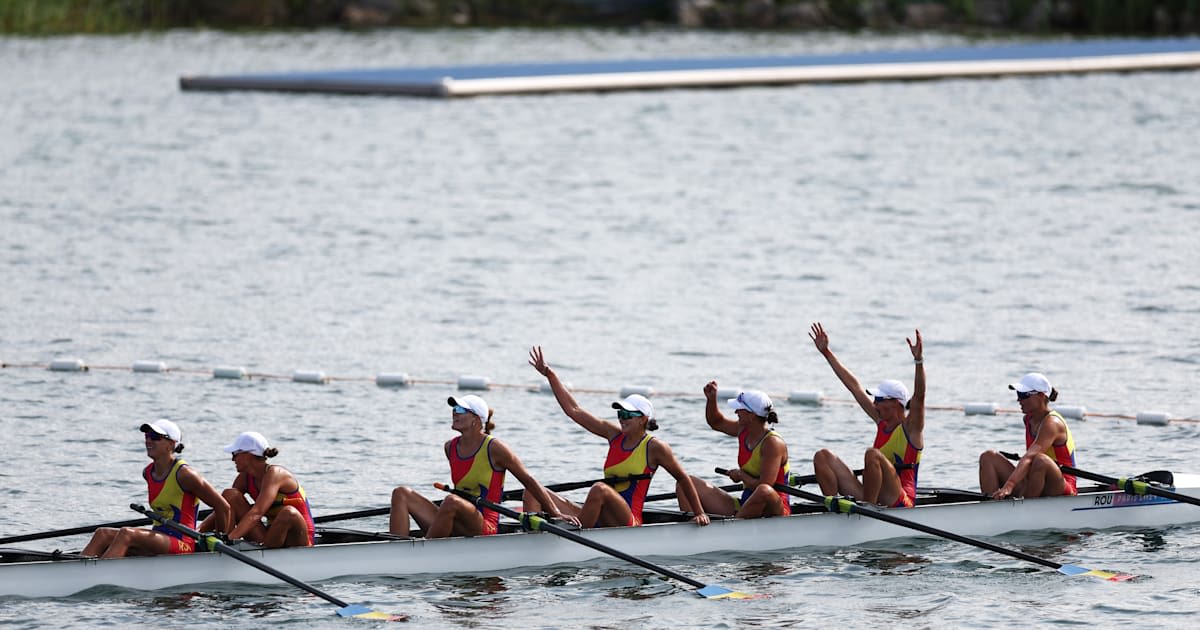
<point x="1071" y="569"/>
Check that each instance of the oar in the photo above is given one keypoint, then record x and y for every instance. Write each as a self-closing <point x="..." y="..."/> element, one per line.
<point x="1128" y="485"/>
<point x="213" y="543"/>
<point x="847" y="506"/>
<point x="794" y="480"/>
<point x="537" y="523"/>
<point x="509" y="495"/>
<point x="86" y="529"/>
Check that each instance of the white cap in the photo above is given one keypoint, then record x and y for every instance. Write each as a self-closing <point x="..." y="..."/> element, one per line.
<point x="249" y="442"/>
<point x="891" y="389"/>
<point x="1032" y="382"/>
<point x="165" y="428"/>
<point x="752" y="400"/>
<point x="636" y="402"/>
<point x="477" y="405"/>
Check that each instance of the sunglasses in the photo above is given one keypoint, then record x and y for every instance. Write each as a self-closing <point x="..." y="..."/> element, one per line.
<point x="626" y="415"/>
<point x="153" y="437"/>
<point x="879" y="399"/>
<point x="1024" y="395"/>
<point x="461" y="409"/>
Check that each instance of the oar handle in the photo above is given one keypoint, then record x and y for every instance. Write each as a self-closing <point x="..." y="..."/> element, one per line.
<point x="537" y="523"/>
<point x="225" y="549"/>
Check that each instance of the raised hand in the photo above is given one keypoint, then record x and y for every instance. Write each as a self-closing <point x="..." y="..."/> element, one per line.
<point x="710" y="389"/>
<point x="820" y="339"/>
<point x="538" y="361"/>
<point x="918" y="351"/>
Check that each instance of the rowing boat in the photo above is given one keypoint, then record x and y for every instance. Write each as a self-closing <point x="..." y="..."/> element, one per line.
<point x="962" y="512"/>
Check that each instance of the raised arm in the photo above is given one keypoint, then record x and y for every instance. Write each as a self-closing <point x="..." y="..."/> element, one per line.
<point x="581" y="416"/>
<point x="712" y="412"/>
<point x="821" y="341"/>
<point x="661" y="455"/>
<point x="503" y="457"/>
<point x="914" y="426"/>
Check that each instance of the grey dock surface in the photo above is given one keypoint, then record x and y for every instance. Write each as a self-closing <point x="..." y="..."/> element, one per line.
<point x="1061" y="57"/>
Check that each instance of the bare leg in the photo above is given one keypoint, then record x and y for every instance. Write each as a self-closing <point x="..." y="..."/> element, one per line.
<point x="133" y="541"/>
<point x="288" y="529"/>
<point x="834" y="476"/>
<point x="530" y="504"/>
<point x="457" y="517"/>
<point x="764" y="501"/>
<point x="994" y="470"/>
<point x="883" y="486"/>
<point x="1044" y="479"/>
<point x="713" y="499"/>
<point x="100" y="541"/>
<point x="405" y="503"/>
<point x="604" y="507"/>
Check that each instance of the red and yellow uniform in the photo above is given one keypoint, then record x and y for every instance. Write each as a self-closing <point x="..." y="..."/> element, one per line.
<point x="750" y="461"/>
<point x="170" y="500"/>
<point x="1063" y="454"/>
<point x="627" y="463"/>
<point x="904" y="457"/>
<point x="476" y="475"/>
<point x="297" y="499"/>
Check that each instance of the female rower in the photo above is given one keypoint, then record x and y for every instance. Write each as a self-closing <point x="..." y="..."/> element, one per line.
<point x="1048" y="444"/>
<point x="174" y="489"/>
<point x="631" y="451"/>
<point x="890" y="467"/>
<point x="762" y="458"/>
<point x="478" y="463"/>
<point x="284" y="504"/>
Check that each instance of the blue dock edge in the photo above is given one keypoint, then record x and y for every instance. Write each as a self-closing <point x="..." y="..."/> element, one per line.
<point x="1060" y="57"/>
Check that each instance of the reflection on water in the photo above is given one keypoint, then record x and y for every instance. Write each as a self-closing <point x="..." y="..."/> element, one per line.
<point x="472" y="600"/>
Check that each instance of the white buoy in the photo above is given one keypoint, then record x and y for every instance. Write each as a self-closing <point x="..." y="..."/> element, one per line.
<point x="230" y="371"/>
<point x="393" y="379"/>
<point x="474" y="382"/>
<point x="149" y="366"/>
<point x="68" y="365"/>
<point x="1070" y="411"/>
<point x="545" y="388"/>
<point x="629" y="390"/>
<point x="310" y="376"/>
<point x="980" y="409"/>
<point x="1153" y="418"/>
<point x="805" y="398"/>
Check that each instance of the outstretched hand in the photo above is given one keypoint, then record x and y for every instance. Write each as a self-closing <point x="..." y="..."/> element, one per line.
<point x="538" y="361"/>
<point x="918" y="351"/>
<point x="819" y="338"/>
<point x="710" y="390"/>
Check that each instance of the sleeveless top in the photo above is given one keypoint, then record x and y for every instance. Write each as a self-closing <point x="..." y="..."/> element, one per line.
<point x="170" y="500"/>
<point x="1062" y="454"/>
<point x="750" y="461"/>
<point x="626" y="463"/>
<point x="297" y="499"/>
<point x="904" y="457"/>
<point x="476" y="475"/>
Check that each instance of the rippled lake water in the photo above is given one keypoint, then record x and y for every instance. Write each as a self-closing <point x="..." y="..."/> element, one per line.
<point x="657" y="238"/>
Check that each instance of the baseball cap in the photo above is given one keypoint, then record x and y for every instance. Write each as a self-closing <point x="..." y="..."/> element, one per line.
<point x="477" y="405"/>
<point x="891" y="389"/>
<point x="636" y="402"/>
<point x="249" y="442"/>
<point x="752" y="400"/>
<point x="1032" y="382"/>
<point x="165" y="428"/>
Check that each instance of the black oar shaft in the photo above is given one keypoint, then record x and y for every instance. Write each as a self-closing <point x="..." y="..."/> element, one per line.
<point x="237" y="555"/>
<point x="86" y="529"/>
<point x="850" y="507"/>
<point x="1129" y="486"/>
<point x="543" y="525"/>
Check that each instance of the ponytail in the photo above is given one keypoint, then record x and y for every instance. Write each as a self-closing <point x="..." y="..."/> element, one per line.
<point x="270" y="452"/>
<point x="178" y="448"/>
<point x="489" y="425"/>
<point x="652" y="425"/>
<point x="771" y="417"/>
<point x="1053" y="394"/>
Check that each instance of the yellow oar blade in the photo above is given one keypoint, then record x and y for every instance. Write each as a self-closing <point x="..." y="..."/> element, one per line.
<point x="359" y="611"/>
<point x="712" y="591"/>
<point x="1071" y="569"/>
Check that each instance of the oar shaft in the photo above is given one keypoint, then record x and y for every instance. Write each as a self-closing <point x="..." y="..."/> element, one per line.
<point x="544" y="525"/>
<point x="1129" y="486"/>
<point x="86" y="529"/>
<point x="237" y="555"/>
<point x="850" y="507"/>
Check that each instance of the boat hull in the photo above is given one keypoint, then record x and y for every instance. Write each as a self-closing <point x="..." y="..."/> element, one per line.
<point x="1100" y="510"/>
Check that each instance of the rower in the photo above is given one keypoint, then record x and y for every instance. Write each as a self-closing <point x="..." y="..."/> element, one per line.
<point x="1048" y="444"/>
<point x="175" y="487"/>
<point x="762" y="458"/>
<point x="890" y="466"/>
<point x="284" y="504"/>
<point x="478" y="463"/>
<point x="631" y="451"/>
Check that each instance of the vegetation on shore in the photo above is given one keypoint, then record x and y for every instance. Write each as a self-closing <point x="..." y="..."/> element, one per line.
<point x="51" y="17"/>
